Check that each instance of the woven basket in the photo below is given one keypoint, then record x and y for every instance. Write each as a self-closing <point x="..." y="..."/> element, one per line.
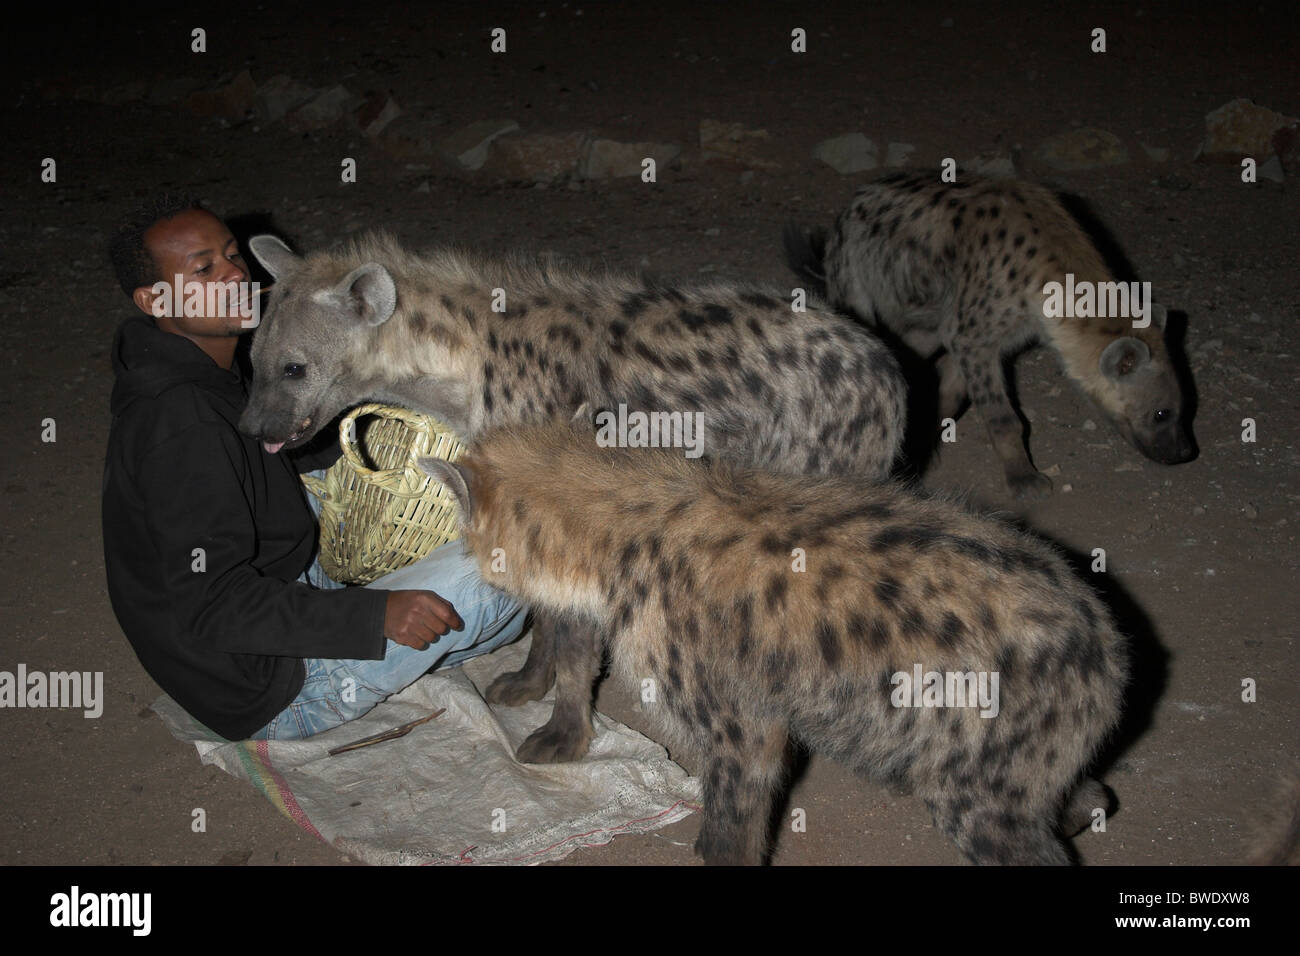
<point x="376" y="520"/>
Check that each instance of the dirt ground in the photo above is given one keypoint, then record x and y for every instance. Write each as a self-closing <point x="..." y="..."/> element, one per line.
<point x="1201" y="558"/>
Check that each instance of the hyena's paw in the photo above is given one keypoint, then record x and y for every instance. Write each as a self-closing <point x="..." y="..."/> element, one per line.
<point x="1029" y="485"/>
<point x="1092" y="795"/>
<point x="556" y="742"/>
<point x="524" y="685"/>
<point x="722" y="849"/>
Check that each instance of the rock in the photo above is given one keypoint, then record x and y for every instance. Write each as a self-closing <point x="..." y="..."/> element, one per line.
<point x="850" y="153"/>
<point x="1286" y="146"/>
<point x="168" y="91"/>
<point x="607" y="159"/>
<point x="375" y="113"/>
<point x="1157" y="154"/>
<point x="731" y="142"/>
<point x="322" y="111"/>
<point x="1085" y="148"/>
<point x="997" y="165"/>
<point x="411" y="137"/>
<point x="1241" y="128"/>
<point x="232" y="101"/>
<point x="278" y="95"/>
<point x="898" y="154"/>
<point x="1271" y="169"/>
<point x="539" y="157"/>
<point x="468" y="147"/>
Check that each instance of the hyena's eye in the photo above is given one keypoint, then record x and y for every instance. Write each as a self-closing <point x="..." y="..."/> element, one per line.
<point x="1162" y="416"/>
<point x="294" y="370"/>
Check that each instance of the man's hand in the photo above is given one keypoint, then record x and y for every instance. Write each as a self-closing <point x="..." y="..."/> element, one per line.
<point x="418" y="618"/>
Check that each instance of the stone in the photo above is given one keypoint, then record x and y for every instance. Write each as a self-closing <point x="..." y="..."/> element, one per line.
<point x="1270" y="169"/>
<point x="232" y="101"/>
<point x="412" y="137"/>
<point x="538" y="157"/>
<point x="608" y="159"/>
<point x="1241" y="128"/>
<point x="322" y="111"/>
<point x="850" y="153"/>
<point x="468" y="146"/>
<point x="732" y="142"/>
<point x="992" y="164"/>
<point x="278" y="95"/>
<point x="1157" y="154"/>
<point x="1084" y="148"/>
<point x="375" y="113"/>
<point x="898" y="154"/>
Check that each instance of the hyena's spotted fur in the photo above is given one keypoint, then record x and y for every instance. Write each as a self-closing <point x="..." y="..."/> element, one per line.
<point x="787" y="391"/>
<point x="688" y="570"/>
<point x="961" y="267"/>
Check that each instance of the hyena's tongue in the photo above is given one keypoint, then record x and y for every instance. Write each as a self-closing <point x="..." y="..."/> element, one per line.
<point x="272" y="447"/>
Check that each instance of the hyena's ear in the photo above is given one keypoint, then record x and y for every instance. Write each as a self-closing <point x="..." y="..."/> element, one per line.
<point x="456" y="478"/>
<point x="367" y="292"/>
<point x="583" y="415"/>
<point x="278" y="258"/>
<point x="1159" y="315"/>
<point x="1123" y="356"/>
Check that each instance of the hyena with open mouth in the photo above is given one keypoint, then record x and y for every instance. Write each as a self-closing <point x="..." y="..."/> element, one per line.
<point x="963" y="267"/>
<point x="778" y="389"/>
<point x="688" y="569"/>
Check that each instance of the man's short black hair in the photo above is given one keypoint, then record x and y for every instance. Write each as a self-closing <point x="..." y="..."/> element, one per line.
<point x="132" y="262"/>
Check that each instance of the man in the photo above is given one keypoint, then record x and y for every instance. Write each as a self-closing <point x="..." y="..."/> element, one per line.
<point x="207" y="538"/>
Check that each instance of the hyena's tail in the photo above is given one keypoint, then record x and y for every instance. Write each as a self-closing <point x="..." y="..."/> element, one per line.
<point x="1279" y="841"/>
<point x="805" y="251"/>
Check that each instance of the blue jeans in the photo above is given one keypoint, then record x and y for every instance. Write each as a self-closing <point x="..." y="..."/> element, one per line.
<point x="337" y="691"/>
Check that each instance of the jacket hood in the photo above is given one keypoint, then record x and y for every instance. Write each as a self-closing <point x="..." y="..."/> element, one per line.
<point x="148" y="361"/>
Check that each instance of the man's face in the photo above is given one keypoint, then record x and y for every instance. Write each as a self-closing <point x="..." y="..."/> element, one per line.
<point x="197" y="246"/>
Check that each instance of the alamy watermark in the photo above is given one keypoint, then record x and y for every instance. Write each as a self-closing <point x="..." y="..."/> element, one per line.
<point x="923" y="688"/>
<point x="1086" y="300"/>
<point x="208" y="300"/>
<point x="75" y="908"/>
<point x="651" y="430"/>
<point x="76" y="689"/>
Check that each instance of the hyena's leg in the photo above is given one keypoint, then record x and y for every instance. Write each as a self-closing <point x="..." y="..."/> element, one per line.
<point x="992" y="831"/>
<point x="952" y="384"/>
<point x="741" y="778"/>
<point x="952" y="387"/>
<point x="534" y="679"/>
<point x="980" y="364"/>
<point x="566" y="736"/>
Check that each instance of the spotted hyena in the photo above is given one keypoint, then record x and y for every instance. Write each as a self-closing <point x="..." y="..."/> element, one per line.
<point x="478" y="342"/>
<point x="770" y="607"/>
<point x="963" y="267"/>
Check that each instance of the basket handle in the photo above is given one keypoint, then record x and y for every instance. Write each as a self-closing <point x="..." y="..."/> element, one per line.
<point x="348" y="438"/>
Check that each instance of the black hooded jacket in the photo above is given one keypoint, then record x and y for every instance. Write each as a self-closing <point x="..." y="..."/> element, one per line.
<point x="205" y="535"/>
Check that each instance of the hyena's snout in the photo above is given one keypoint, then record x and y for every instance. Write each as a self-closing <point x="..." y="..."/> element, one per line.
<point x="1168" y="446"/>
<point x="276" y="429"/>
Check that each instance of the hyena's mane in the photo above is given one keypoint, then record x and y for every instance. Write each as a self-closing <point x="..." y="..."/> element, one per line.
<point x="458" y="267"/>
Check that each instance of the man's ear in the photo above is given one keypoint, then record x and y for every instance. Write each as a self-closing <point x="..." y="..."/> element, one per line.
<point x="456" y="478"/>
<point x="143" y="297"/>
<point x="278" y="258"/>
